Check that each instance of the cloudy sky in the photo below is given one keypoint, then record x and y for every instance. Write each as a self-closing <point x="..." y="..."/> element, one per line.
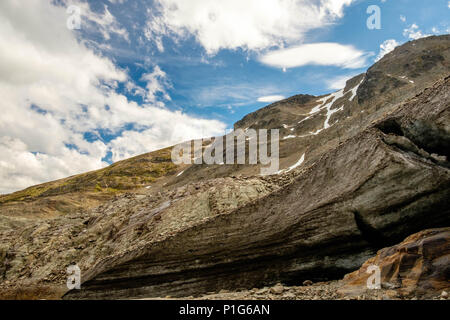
<point x="139" y="75"/>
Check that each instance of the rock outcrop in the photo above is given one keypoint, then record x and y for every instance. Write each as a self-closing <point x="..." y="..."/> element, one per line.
<point x="419" y="266"/>
<point x="375" y="171"/>
<point x="318" y="222"/>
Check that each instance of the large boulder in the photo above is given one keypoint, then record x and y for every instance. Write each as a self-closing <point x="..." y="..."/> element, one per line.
<point x="419" y="266"/>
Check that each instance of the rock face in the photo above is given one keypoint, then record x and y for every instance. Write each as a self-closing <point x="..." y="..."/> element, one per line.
<point x="325" y="219"/>
<point x="375" y="171"/>
<point x="418" y="266"/>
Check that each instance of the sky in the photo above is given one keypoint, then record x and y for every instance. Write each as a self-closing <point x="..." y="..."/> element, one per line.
<point x="84" y="84"/>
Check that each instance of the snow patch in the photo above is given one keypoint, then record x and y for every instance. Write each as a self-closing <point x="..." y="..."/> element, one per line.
<point x="329" y="114"/>
<point x="336" y="96"/>
<point x="181" y="173"/>
<point x="406" y="78"/>
<point x="321" y="104"/>
<point x="289" y="137"/>
<point x="355" y="89"/>
<point x="296" y="165"/>
<point x="307" y="118"/>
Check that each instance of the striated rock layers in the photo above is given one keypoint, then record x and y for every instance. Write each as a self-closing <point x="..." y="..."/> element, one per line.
<point x="420" y="265"/>
<point x="360" y="169"/>
<point x="317" y="222"/>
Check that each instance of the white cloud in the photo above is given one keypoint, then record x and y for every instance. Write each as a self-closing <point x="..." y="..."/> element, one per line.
<point x="104" y="23"/>
<point x="325" y="54"/>
<point x="54" y="90"/>
<point x="403" y="18"/>
<point x="156" y="83"/>
<point x="249" y="24"/>
<point x="19" y="168"/>
<point x="386" y="47"/>
<point x="169" y="127"/>
<point x="339" y="82"/>
<point x="107" y="24"/>
<point x="270" y="98"/>
<point x="413" y="32"/>
<point x="222" y="94"/>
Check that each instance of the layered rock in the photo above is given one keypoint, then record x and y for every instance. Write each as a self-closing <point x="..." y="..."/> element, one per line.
<point x="375" y="170"/>
<point x="418" y="266"/>
<point x="371" y="191"/>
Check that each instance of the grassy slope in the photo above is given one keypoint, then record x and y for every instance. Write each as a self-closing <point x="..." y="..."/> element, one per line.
<point x="70" y="193"/>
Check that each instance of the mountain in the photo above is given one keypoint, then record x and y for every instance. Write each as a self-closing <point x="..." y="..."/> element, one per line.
<point x="360" y="169"/>
<point x="90" y="189"/>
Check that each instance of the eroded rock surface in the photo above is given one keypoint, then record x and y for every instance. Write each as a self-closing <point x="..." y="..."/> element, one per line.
<point x="419" y="266"/>
<point x="318" y="222"/>
<point x="375" y="171"/>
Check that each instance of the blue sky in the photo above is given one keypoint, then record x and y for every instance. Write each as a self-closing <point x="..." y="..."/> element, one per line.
<point x="141" y="75"/>
<point x="226" y="85"/>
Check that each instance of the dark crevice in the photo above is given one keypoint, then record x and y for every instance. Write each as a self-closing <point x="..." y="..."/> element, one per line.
<point x="390" y="127"/>
<point x="429" y="137"/>
<point x="373" y="236"/>
<point x="425" y="136"/>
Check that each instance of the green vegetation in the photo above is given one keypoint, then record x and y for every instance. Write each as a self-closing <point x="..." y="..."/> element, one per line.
<point x="120" y="177"/>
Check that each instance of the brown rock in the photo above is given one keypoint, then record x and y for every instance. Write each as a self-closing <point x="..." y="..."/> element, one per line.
<point x="420" y="264"/>
<point x="278" y="289"/>
<point x="289" y="296"/>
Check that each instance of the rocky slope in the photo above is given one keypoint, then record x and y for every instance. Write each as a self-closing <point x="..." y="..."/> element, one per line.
<point x="371" y="191"/>
<point x="307" y="124"/>
<point x="375" y="171"/>
<point x="417" y="268"/>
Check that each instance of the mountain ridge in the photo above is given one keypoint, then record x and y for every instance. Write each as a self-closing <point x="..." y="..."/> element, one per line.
<point x="226" y="227"/>
<point x="284" y="110"/>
